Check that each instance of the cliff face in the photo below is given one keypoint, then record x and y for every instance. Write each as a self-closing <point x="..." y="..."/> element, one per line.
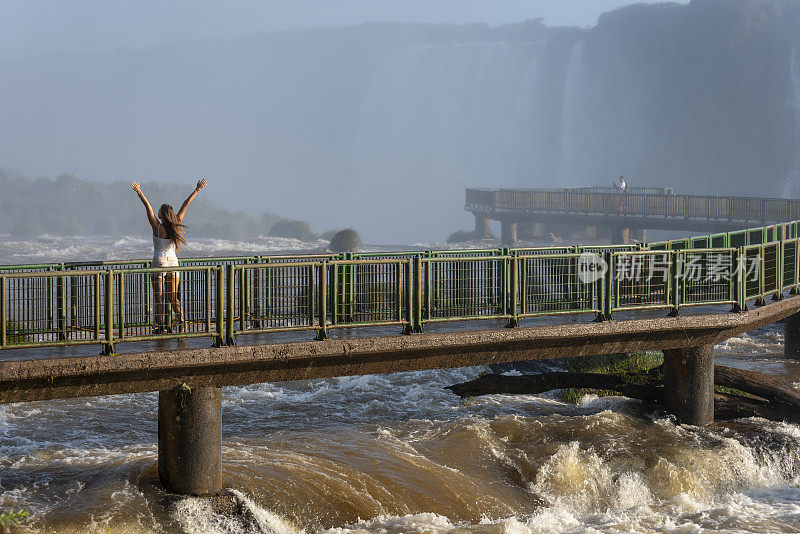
<point x="382" y="126"/>
<point x="698" y="96"/>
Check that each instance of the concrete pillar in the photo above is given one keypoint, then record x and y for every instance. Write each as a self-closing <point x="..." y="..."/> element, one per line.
<point x="689" y="384"/>
<point x="620" y="235"/>
<point x="190" y="440"/>
<point x="791" y="338"/>
<point x="590" y="232"/>
<point x="483" y="227"/>
<point x="509" y="233"/>
<point x="638" y="234"/>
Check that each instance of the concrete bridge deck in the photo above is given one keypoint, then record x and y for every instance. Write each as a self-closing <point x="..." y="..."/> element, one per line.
<point x="80" y="376"/>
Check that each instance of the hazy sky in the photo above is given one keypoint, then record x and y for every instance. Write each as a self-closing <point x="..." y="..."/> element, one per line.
<point x="33" y="27"/>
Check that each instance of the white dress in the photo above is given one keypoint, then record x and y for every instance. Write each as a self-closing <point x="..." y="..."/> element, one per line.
<point x="164" y="253"/>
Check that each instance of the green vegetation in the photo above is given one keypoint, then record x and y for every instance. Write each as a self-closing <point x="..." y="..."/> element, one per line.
<point x="346" y="240"/>
<point x="635" y="368"/>
<point x="733" y="391"/>
<point x="70" y="206"/>
<point x="462" y="236"/>
<point x="294" y="229"/>
<point x="12" y="517"/>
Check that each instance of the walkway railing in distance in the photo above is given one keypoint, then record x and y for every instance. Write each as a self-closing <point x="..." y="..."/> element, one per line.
<point x="222" y="298"/>
<point x="637" y="202"/>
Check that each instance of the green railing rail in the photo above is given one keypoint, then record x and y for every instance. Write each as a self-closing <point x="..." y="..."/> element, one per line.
<point x="641" y="202"/>
<point x="222" y="298"/>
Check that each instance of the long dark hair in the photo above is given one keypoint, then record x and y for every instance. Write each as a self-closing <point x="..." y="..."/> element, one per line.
<point x="172" y="226"/>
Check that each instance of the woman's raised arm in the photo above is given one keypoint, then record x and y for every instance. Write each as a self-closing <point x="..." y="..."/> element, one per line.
<point x="151" y="217"/>
<point x="200" y="185"/>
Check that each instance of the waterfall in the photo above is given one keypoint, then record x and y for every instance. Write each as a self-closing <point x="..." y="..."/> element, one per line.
<point x="792" y="184"/>
<point x="571" y="128"/>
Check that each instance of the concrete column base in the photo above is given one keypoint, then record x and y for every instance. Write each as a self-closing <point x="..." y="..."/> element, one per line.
<point x="689" y="384"/>
<point x="483" y="227"/>
<point x="620" y="235"/>
<point x="190" y="440"/>
<point x="791" y="338"/>
<point x="638" y="234"/>
<point x="509" y="233"/>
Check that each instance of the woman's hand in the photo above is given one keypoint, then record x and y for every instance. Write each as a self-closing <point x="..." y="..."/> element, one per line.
<point x="136" y="187"/>
<point x="200" y="184"/>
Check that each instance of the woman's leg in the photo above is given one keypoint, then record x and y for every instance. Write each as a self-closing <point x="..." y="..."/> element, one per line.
<point x="158" y="298"/>
<point x="171" y="282"/>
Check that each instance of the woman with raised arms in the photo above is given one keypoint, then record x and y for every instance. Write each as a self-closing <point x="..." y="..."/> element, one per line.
<point x="167" y="240"/>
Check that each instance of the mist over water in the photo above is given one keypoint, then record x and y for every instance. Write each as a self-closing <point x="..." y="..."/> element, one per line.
<point x="793" y="106"/>
<point x="382" y="126"/>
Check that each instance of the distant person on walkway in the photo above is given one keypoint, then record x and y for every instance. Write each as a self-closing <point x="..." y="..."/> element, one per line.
<point x="621" y="187"/>
<point x="167" y="239"/>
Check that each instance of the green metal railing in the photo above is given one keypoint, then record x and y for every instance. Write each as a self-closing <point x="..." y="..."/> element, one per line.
<point x="222" y="298"/>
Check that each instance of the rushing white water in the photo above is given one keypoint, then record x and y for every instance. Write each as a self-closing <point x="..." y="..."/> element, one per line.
<point x="792" y="185"/>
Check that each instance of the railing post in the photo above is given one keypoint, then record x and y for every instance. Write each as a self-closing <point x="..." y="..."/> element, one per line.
<point x="348" y="286"/>
<point x="796" y="274"/>
<point x="108" y="348"/>
<point x="676" y="283"/>
<point x="427" y="290"/>
<point x="312" y="295"/>
<point x="230" y="295"/>
<point x="514" y="300"/>
<point x="762" y="271"/>
<point x="61" y="310"/>
<point x="256" y="319"/>
<point x="523" y="283"/>
<point x="334" y="294"/>
<point x="3" y="312"/>
<point x="418" y="292"/>
<point x="97" y="315"/>
<point x="322" y="333"/>
<point x="50" y="297"/>
<point x="243" y="296"/>
<point x="218" y="342"/>
<point x="73" y="302"/>
<point x="121" y="305"/>
<point x="208" y="300"/>
<point x="739" y="280"/>
<point x="608" y="286"/>
<point x="778" y="295"/>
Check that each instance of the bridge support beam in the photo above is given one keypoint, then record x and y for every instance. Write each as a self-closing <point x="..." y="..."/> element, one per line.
<point x="483" y="227"/>
<point x="689" y="384"/>
<point x="190" y="440"/>
<point x="509" y="232"/>
<point x="791" y="338"/>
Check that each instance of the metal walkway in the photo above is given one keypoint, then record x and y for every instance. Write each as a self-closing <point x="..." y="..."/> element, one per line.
<point x="648" y="208"/>
<point x="226" y="298"/>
